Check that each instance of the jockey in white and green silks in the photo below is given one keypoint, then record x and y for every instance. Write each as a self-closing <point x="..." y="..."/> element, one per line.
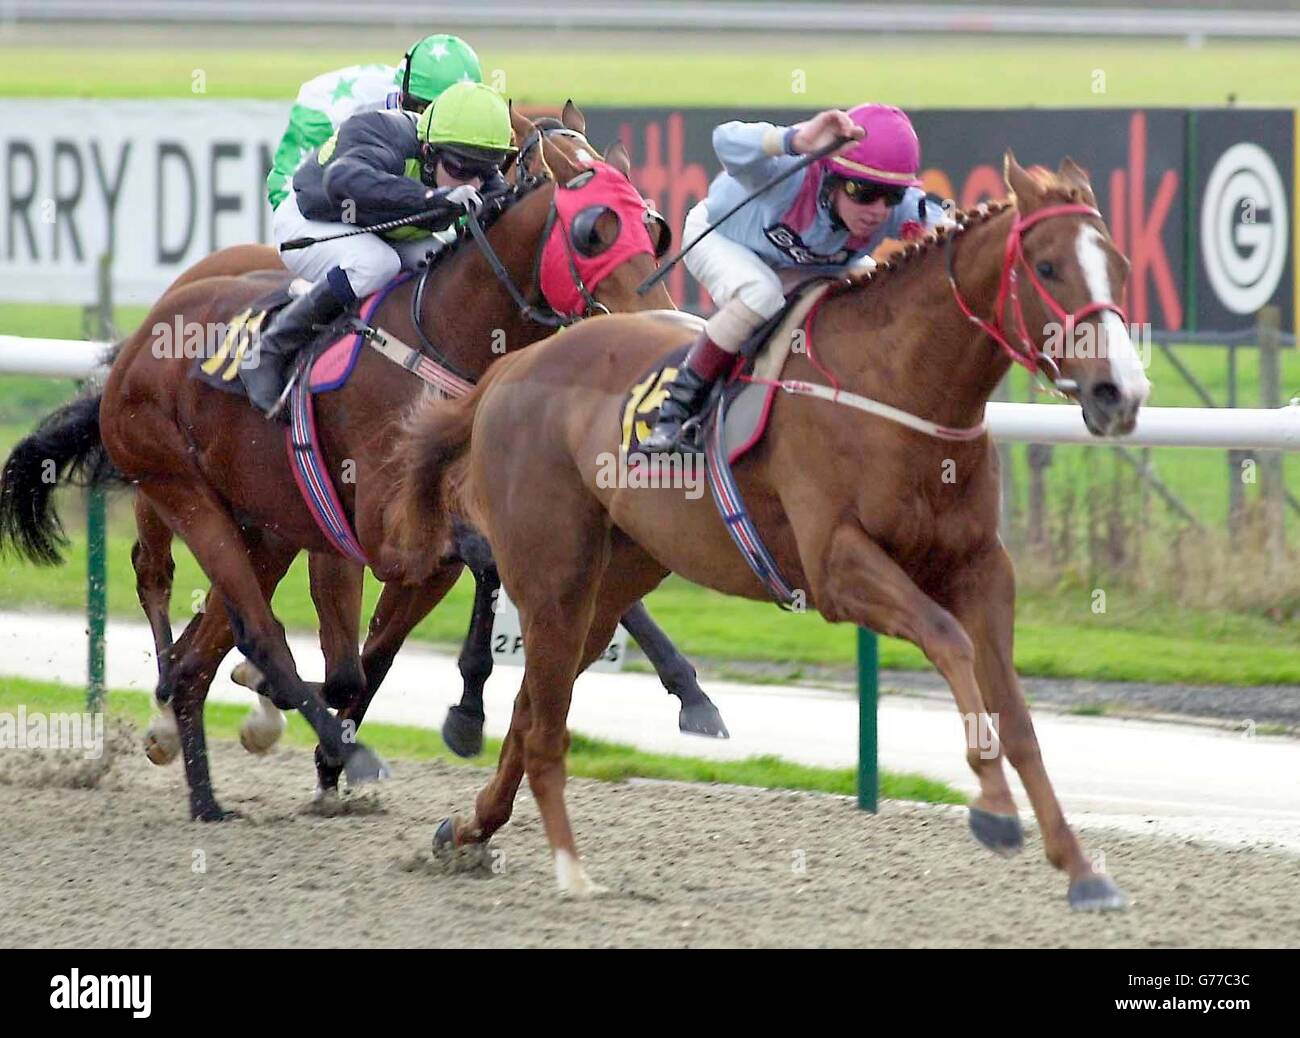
<point x="325" y="102"/>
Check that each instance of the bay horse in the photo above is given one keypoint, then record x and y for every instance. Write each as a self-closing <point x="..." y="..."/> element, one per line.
<point x="889" y="523"/>
<point x="337" y="582"/>
<point x="216" y="472"/>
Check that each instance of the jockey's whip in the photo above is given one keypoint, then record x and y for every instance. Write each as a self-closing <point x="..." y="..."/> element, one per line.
<point x="802" y="164"/>
<point x="387" y="225"/>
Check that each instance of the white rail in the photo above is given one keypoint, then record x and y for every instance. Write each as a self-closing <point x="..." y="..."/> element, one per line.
<point x="1222" y="427"/>
<point x="51" y="358"/>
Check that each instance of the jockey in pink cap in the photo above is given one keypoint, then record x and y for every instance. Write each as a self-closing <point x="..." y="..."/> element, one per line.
<point x="825" y="220"/>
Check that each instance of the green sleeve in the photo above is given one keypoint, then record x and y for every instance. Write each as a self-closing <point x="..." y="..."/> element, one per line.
<point x="308" y="129"/>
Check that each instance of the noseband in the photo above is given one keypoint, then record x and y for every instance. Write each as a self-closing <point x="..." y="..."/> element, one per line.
<point x="1028" y="354"/>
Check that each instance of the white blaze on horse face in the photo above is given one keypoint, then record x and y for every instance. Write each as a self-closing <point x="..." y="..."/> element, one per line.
<point x="1125" y="366"/>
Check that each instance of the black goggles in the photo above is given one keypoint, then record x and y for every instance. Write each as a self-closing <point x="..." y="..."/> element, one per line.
<point x="864" y="192"/>
<point x="466" y="169"/>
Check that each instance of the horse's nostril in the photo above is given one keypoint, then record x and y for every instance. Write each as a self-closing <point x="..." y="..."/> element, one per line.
<point x="1106" y="393"/>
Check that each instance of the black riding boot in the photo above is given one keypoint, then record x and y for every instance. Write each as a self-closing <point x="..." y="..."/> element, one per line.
<point x="686" y="396"/>
<point x="289" y="331"/>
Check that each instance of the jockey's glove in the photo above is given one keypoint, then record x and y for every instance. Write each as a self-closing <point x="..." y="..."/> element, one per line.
<point x="466" y="196"/>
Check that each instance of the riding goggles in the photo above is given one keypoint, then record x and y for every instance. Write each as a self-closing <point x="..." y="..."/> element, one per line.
<point x="864" y="192"/>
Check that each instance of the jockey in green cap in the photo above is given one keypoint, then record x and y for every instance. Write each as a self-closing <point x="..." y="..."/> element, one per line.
<point x="382" y="165"/>
<point x="325" y="102"/>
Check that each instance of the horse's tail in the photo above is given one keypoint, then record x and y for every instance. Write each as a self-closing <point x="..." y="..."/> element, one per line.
<point x="65" y="448"/>
<point x="431" y="461"/>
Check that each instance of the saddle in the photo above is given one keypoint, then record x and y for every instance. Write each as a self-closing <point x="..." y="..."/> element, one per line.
<point x="741" y="405"/>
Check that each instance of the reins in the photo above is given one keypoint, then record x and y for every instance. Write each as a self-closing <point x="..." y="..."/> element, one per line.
<point x="1030" y="356"/>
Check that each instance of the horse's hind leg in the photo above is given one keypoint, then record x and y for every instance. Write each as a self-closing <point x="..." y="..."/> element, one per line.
<point x="198" y="516"/>
<point x="202" y="647"/>
<point x="629" y="574"/>
<point x="984" y="600"/>
<point x="151" y="558"/>
<point x="698" y="714"/>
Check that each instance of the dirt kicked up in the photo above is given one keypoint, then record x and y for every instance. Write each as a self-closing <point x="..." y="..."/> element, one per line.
<point x="118" y="865"/>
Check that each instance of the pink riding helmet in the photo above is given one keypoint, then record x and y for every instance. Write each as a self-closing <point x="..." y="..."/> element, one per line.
<point x="890" y="152"/>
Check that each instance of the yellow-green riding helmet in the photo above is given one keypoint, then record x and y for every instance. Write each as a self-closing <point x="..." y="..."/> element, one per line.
<point x="470" y="121"/>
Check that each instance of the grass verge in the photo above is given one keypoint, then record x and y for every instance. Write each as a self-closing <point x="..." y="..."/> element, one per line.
<point x="589" y="758"/>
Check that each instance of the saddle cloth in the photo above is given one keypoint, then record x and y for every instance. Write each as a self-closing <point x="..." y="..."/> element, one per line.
<point x="331" y="355"/>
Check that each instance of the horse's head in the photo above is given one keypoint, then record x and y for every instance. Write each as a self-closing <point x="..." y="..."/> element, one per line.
<point x="1070" y="309"/>
<point x="601" y="239"/>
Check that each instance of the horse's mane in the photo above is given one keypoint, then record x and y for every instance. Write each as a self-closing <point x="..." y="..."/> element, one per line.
<point x="965" y="218"/>
<point x="1050" y="183"/>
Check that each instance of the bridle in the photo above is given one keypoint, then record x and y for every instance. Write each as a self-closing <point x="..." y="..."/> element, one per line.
<point x="475" y="226"/>
<point x="538" y="311"/>
<point x="1028" y="354"/>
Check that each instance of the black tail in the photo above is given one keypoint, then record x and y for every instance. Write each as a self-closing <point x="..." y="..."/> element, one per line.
<point x="65" y="448"/>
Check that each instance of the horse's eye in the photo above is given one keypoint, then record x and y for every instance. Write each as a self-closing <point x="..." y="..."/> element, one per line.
<point x="1045" y="269"/>
<point x="585" y="235"/>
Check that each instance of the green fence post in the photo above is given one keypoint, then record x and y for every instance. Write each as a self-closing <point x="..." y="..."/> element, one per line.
<point x="96" y="594"/>
<point x="99" y="325"/>
<point x="868" y="695"/>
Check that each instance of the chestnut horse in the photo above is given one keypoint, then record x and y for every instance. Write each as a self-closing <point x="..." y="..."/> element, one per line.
<point x="216" y="472"/>
<point x="882" y="524"/>
<point x="337" y="582"/>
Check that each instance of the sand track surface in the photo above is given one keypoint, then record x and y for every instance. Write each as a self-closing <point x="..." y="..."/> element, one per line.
<point x="114" y="862"/>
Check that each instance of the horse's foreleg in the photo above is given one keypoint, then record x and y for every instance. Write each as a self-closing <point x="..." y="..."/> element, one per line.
<point x="399" y="609"/>
<point x="698" y="714"/>
<point x="336" y="588"/>
<point x="462" y="730"/>
<point x="862" y="584"/>
<point x="984" y="599"/>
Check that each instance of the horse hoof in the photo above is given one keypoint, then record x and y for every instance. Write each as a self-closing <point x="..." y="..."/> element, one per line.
<point x="324" y="794"/>
<point x="213" y="812"/>
<point x="573" y="880"/>
<point x="162" y="740"/>
<point x="364" y="765"/>
<point x="444" y="836"/>
<point x="474" y="857"/>
<point x="1002" y="834"/>
<point x="463" y="732"/>
<point x="247" y="674"/>
<point x="1097" y="893"/>
<point x="702" y="719"/>
<point x="261" y="729"/>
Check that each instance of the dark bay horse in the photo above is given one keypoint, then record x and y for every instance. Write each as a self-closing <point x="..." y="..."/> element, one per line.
<point x="882" y="524"/>
<point x="337" y="582"/>
<point x="216" y="472"/>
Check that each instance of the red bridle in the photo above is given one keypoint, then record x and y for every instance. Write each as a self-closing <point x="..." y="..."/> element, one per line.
<point x="1029" y="355"/>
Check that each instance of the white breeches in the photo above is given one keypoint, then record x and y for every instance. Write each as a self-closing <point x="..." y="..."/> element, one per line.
<point x="369" y="261"/>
